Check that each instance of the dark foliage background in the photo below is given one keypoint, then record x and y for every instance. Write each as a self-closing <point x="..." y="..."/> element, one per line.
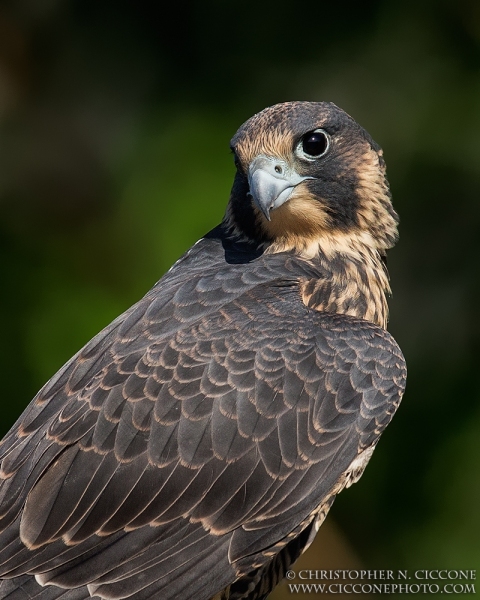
<point x="115" y="119"/>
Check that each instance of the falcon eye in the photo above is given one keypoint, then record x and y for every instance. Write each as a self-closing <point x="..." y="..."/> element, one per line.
<point x="313" y="144"/>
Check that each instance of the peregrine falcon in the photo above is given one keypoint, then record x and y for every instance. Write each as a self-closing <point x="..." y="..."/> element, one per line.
<point x="193" y="447"/>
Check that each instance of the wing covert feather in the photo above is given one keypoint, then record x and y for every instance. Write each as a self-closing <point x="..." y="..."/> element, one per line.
<point x="233" y="406"/>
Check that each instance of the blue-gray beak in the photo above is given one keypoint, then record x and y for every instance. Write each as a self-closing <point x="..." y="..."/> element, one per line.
<point x="271" y="182"/>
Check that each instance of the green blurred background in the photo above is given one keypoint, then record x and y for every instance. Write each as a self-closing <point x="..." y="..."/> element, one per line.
<point x="115" y="121"/>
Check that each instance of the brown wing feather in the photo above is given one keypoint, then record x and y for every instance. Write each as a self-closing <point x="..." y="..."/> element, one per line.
<point x="232" y="411"/>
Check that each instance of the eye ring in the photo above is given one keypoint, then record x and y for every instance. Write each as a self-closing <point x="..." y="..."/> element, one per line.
<point x="313" y="145"/>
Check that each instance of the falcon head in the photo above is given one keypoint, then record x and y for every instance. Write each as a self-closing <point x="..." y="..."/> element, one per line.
<point x="306" y="172"/>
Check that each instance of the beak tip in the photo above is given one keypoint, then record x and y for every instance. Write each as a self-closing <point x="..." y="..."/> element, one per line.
<point x="265" y="211"/>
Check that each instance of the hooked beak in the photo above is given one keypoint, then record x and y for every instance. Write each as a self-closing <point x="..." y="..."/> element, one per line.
<point x="271" y="182"/>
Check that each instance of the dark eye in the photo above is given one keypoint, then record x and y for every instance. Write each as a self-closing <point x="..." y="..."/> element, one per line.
<point x="313" y="144"/>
